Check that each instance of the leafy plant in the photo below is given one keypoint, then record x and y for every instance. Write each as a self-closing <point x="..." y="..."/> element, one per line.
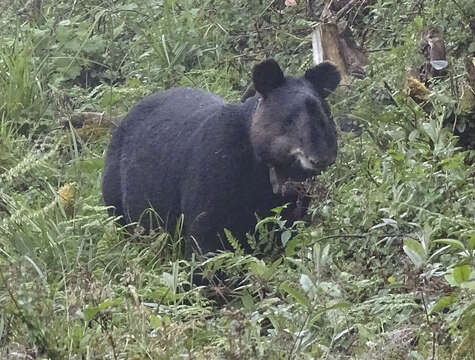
<point x="381" y="268"/>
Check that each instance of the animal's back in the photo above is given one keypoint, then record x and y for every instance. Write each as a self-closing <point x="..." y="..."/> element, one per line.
<point x="171" y="112"/>
<point x="145" y="157"/>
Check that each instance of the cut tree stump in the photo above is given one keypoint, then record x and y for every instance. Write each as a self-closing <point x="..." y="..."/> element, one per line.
<point x="333" y="40"/>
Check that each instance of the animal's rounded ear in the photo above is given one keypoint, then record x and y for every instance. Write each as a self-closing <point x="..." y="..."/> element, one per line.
<point x="324" y="77"/>
<point x="267" y="76"/>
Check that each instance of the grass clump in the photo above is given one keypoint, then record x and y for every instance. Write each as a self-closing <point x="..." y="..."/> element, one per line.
<point x="384" y="269"/>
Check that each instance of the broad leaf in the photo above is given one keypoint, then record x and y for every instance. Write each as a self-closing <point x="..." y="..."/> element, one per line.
<point x="452" y="242"/>
<point x="415" y="251"/>
<point x="91" y="311"/>
<point x="285" y="237"/>
<point x="462" y="273"/>
<point x="299" y="296"/>
<point x="443" y="303"/>
<point x="307" y="285"/>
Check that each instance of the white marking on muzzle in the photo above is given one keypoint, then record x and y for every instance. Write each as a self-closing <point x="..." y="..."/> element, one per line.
<point x="305" y="162"/>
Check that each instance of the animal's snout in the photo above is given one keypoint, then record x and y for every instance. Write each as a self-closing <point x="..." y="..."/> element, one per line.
<point x="313" y="162"/>
<point x="323" y="161"/>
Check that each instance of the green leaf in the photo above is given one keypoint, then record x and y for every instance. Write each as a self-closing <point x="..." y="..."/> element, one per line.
<point x="449" y="277"/>
<point x="91" y="311"/>
<point x="247" y="301"/>
<point x="462" y="273"/>
<point x="419" y="22"/>
<point x="169" y="281"/>
<point x="264" y="221"/>
<point x="277" y="210"/>
<point x="443" y="303"/>
<point x="273" y="268"/>
<point x="413" y="135"/>
<point x="296" y="294"/>
<point x="109" y="303"/>
<point x="70" y="71"/>
<point x="430" y="130"/>
<point x="155" y="321"/>
<point x="91" y="164"/>
<point x="307" y="285"/>
<point x="258" y="267"/>
<point x="467" y="319"/>
<point x="415" y="251"/>
<point x="119" y="30"/>
<point x="471" y="242"/>
<point x="72" y="44"/>
<point x="291" y="248"/>
<point x="316" y="317"/>
<point x="452" y="242"/>
<point x="338" y="305"/>
<point x="233" y="241"/>
<point x="285" y="237"/>
<point x="163" y="294"/>
<point x="94" y="45"/>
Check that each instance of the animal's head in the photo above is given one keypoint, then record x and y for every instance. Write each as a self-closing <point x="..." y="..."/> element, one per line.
<point x="292" y="129"/>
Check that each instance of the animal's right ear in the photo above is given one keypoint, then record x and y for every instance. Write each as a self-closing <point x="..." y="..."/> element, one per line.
<point x="324" y="77"/>
<point x="267" y="76"/>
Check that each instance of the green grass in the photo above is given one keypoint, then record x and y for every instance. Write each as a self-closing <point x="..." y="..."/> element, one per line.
<point x="384" y="269"/>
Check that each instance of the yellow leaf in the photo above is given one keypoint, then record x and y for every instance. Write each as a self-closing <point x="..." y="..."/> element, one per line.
<point x="67" y="193"/>
<point x="416" y="89"/>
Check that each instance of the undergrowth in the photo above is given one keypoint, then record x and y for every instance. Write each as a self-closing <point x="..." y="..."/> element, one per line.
<point x="382" y="270"/>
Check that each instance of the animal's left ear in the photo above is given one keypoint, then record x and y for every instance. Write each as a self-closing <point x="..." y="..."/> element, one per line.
<point x="324" y="77"/>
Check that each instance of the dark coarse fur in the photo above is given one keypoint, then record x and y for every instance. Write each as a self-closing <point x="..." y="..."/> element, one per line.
<point x="187" y="151"/>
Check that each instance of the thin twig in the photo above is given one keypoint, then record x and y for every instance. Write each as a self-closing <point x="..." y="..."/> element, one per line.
<point x="347" y="8"/>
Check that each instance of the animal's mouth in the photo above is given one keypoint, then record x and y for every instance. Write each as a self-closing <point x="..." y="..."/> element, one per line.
<point x="301" y="168"/>
<point x="310" y="163"/>
<point x="307" y="163"/>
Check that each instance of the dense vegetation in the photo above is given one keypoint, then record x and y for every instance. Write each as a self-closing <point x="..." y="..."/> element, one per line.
<point x="385" y="267"/>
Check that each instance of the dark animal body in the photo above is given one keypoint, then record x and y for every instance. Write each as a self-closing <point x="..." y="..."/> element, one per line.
<point x="187" y="151"/>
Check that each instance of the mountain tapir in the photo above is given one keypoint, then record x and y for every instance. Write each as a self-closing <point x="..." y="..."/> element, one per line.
<point x="188" y="151"/>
